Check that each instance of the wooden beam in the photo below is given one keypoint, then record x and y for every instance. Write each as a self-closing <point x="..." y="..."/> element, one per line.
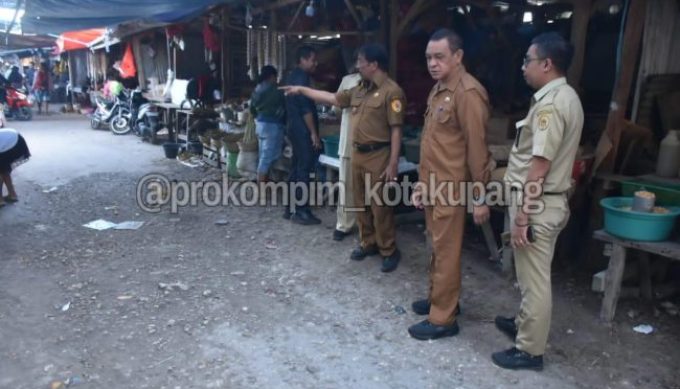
<point x="579" y="31"/>
<point x="609" y="141"/>
<point x="353" y="11"/>
<point x="416" y="9"/>
<point x="322" y="33"/>
<point x="295" y="18"/>
<point x="273" y="6"/>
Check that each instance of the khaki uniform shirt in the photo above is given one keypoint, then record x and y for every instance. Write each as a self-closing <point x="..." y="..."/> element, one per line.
<point x="551" y="130"/>
<point x="376" y="107"/>
<point x="345" y="146"/>
<point x="453" y="146"/>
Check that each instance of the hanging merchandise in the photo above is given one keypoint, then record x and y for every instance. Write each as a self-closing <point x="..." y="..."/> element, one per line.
<point x="260" y="51"/>
<point x="266" y="44"/>
<point x="127" y="65"/>
<point x="210" y="37"/>
<point x="175" y="33"/>
<point x="249" y="54"/>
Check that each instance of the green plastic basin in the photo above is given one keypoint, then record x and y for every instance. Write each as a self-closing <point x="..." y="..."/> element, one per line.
<point x="628" y="224"/>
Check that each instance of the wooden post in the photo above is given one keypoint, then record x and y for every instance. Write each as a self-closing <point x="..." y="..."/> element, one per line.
<point x="579" y="31"/>
<point x="70" y="75"/>
<point x="394" y="37"/>
<point x="384" y="26"/>
<point x="645" y="276"/>
<point x="224" y="43"/>
<point x="622" y="85"/>
<point x="612" y="288"/>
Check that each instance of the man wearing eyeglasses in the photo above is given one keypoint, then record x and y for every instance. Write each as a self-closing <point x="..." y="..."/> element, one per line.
<point x="543" y="153"/>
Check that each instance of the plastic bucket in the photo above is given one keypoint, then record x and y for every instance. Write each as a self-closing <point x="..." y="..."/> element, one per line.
<point x="232" y="169"/>
<point x="195" y="148"/>
<point x="330" y="145"/>
<point x="171" y="150"/>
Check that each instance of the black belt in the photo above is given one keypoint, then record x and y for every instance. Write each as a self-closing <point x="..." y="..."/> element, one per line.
<point x="516" y="189"/>
<point x="367" y="148"/>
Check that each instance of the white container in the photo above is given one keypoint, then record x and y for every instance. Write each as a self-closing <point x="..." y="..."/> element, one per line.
<point x="668" y="163"/>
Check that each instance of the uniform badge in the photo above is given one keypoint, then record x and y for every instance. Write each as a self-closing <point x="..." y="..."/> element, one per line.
<point x="376" y="94"/>
<point x="396" y="106"/>
<point x="543" y="120"/>
<point x="447" y="99"/>
<point x="354" y="109"/>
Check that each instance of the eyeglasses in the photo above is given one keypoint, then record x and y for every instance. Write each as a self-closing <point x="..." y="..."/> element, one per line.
<point x="527" y="60"/>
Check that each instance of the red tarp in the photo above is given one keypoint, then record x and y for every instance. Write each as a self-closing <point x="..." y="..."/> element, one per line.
<point x="75" y="40"/>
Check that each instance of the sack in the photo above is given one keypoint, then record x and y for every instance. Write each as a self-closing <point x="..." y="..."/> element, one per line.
<point x="247" y="164"/>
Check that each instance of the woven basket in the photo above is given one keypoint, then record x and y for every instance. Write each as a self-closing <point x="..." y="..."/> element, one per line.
<point x="231" y="147"/>
<point x="215" y="144"/>
<point x="232" y="137"/>
<point x="252" y="146"/>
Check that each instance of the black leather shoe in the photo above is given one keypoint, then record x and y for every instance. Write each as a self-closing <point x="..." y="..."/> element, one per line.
<point x="305" y="218"/>
<point x="428" y="331"/>
<point x="391" y="262"/>
<point x="340" y="235"/>
<point x="360" y="253"/>
<point x="507" y="326"/>
<point x="516" y="359"/>
<point x="422" y="307"/>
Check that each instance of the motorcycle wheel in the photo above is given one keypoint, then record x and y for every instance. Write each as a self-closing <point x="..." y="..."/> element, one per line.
<point x="25" y="113"/>
<point x="120" y="125"/>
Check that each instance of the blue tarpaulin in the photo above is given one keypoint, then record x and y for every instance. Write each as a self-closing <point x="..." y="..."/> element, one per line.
<point x="57" y="16"/>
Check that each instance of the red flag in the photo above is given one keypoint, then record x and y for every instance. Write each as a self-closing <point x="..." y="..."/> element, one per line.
<point x="127" y="65"/>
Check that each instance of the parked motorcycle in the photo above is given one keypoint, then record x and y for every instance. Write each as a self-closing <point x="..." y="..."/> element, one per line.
<point x="144" y="118"/>
<point x="106" y="112"/>
<point x="18" y="105"/>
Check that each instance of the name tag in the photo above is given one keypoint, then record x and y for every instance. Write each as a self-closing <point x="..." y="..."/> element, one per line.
<point x="521" y="123"/>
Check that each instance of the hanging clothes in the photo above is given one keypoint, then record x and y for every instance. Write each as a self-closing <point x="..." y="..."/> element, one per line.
<point x="210" y="37"/>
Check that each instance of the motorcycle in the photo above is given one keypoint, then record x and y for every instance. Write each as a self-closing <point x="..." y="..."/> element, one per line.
<point x="109" y="112"/>
<point x="144" y="117"/>
<point x="18" y="104"/>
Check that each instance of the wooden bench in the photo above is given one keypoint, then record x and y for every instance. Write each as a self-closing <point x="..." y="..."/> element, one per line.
<point x="617" y="263"/>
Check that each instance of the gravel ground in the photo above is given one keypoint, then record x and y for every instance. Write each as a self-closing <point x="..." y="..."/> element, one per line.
<point x="235" y="297"/>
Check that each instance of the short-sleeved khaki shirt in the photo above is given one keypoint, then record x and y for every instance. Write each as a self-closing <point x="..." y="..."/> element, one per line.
<point x="551" y="130"/>
<point x="375" y="108"/>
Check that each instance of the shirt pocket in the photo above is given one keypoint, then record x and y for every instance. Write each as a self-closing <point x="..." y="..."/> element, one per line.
<point x="374" y="103"/>
<point x="443" y="115"/>
<point x="354" y="106"/>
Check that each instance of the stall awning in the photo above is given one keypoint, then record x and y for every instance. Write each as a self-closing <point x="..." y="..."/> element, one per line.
<point x="76" y="40"/>
<point x="57" y="16"/>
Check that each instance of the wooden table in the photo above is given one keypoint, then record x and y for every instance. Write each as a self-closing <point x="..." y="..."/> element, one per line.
<point x="169" y="117"/>
<point x="617" y="263"/>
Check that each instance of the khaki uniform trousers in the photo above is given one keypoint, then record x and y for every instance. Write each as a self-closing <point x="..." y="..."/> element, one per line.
<point x="532" y="265"/>
<point x="376" y="221"/>
<point x="446" y="226"/>
<point x="345" y="219"/>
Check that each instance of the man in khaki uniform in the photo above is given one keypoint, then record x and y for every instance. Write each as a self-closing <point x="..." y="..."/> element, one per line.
<point x="541" y="163"/>
<point x="453" y="150"/>
<point x="377" y="105"/>
<point x="345" y="218"/>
